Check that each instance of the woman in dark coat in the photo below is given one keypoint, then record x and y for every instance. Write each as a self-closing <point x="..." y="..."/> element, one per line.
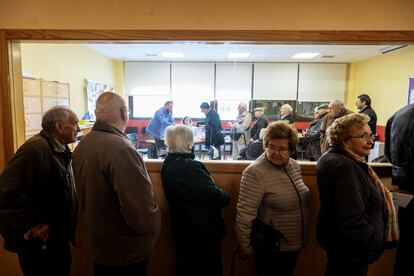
<point x="357" y="215"/>
<point x="196" y="206"/>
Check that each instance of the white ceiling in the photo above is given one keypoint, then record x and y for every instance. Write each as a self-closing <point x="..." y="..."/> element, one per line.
<point x="195" y="51"/>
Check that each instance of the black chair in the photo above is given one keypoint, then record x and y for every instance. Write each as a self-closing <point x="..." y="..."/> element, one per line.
<point x="131" y="130"/>
<point x="133" y="138"/>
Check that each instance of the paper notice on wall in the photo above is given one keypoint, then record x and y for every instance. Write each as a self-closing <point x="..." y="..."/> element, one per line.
<point x="401" y="200"/>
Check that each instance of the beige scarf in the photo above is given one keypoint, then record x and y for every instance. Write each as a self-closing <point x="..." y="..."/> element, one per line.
<point x="392" y="232"/>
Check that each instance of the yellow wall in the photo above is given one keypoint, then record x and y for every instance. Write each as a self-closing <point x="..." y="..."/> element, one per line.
<point x="212" y="14"/>
<point x="72" y="63"/>
<point x="385" y="79"/>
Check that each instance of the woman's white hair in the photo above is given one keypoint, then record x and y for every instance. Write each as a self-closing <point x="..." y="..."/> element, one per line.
<point x="179" y="139"/>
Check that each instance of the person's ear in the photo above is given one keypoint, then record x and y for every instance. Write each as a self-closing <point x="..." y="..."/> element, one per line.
<point x="59" y="127"/>
<point x="123" y="114"/>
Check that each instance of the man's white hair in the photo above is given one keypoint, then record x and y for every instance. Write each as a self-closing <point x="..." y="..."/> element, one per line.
<point x="288" y="108"/>
<point x="243" y="105"/>
<point x="339" y="103"/>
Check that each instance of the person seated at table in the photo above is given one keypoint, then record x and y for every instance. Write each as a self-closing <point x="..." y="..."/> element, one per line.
<point x="187" y="121"/>
<point x="254" y="148"/>
<point x="312" y="135"/>
<point x="196" y="205"/>
<point x="286" y="113"/>
<point x="260" y="122"/>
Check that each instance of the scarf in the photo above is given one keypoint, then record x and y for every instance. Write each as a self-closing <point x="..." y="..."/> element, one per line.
<point x="392" y="232"/>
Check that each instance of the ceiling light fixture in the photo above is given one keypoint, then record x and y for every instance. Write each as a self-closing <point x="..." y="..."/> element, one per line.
<point x="238" y="55"/>
<point x="305" y="55"/>
<point x="172" y="54"/>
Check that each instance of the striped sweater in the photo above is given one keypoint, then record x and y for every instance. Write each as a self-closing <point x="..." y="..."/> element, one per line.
<point x="266" y="191"/>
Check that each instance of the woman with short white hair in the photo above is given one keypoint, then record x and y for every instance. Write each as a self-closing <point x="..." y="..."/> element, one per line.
<point x="196" y="206"/>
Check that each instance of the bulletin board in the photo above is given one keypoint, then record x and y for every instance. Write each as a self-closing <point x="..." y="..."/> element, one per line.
<point x="93" y="90"/>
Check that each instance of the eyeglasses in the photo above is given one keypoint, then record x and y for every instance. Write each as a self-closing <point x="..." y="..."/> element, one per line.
<point x="281" y="150"/>
<point x="365" y="136"/>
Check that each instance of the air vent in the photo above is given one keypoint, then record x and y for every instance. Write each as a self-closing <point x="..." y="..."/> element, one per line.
<point x="151" y="55"/>
<point x="327" y="56"/>
<point x="391" y="48"/>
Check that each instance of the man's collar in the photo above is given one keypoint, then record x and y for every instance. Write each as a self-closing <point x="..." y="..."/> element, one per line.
<point x="58" y="145"/>
<point x="54" y="143"/>
<point x="99" y="125"/>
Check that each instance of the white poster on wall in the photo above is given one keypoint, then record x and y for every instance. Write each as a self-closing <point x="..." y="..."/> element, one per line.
<point x="93" y="90"/>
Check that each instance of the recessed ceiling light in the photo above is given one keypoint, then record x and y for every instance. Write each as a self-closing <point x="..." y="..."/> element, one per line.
<point x="305" y="55"/>
<point x="238" y="55"/>
<point x="172" y="54"/>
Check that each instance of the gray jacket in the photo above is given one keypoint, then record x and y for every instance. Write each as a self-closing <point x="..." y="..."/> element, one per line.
<point x="278" y="197"/>
<point x="116" y="197"/>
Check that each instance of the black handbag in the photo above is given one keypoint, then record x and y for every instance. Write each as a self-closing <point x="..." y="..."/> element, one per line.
<point x="265" y="238"/>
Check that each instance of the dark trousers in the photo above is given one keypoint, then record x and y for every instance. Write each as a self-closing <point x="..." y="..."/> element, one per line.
<point x="154" y="149"/>
<point x="53" y="260"/>
<point x="404" y="260"/>
<point x="339" y="266"/>
<point x="199" y="258"/>
<point x="270" y="264"/>
<point x="135" y="269"/>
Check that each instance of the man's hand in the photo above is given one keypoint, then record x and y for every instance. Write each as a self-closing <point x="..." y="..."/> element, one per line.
<point x="39" y="231"/>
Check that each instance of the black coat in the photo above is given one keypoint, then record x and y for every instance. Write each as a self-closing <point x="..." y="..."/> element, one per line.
<point x="288" y="118"/>
<point x="260" y="123"/>
<point x="312" y="138"/>
<point x="213" y="129"/>
<point x="372" y="118"/>
<point x="351" y="220"/>
<point x="37" y="187"/>
<point x="195" y="201"/>
<point x="399" y="147"/>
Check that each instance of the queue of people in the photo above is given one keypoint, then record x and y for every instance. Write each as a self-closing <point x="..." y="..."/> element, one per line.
<point x="114" y="195"/>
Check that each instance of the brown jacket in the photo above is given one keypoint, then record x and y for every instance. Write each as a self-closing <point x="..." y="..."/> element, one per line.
<point x="327" y="122"/>
<point x="267" y="192"/>
<point x="116" y="197"/>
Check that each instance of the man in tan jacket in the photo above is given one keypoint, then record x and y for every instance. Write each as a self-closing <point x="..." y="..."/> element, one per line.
<point x="336" y="110"/>
<point x="116" y="194"/>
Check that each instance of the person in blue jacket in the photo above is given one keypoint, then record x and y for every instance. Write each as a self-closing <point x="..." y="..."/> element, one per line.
<point x="157" y="125"/>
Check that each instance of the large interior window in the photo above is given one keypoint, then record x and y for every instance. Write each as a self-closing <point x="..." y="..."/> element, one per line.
<point x="191" y="73"/>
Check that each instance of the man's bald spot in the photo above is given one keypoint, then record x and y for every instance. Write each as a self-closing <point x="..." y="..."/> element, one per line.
<point x="109" y="102"/>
